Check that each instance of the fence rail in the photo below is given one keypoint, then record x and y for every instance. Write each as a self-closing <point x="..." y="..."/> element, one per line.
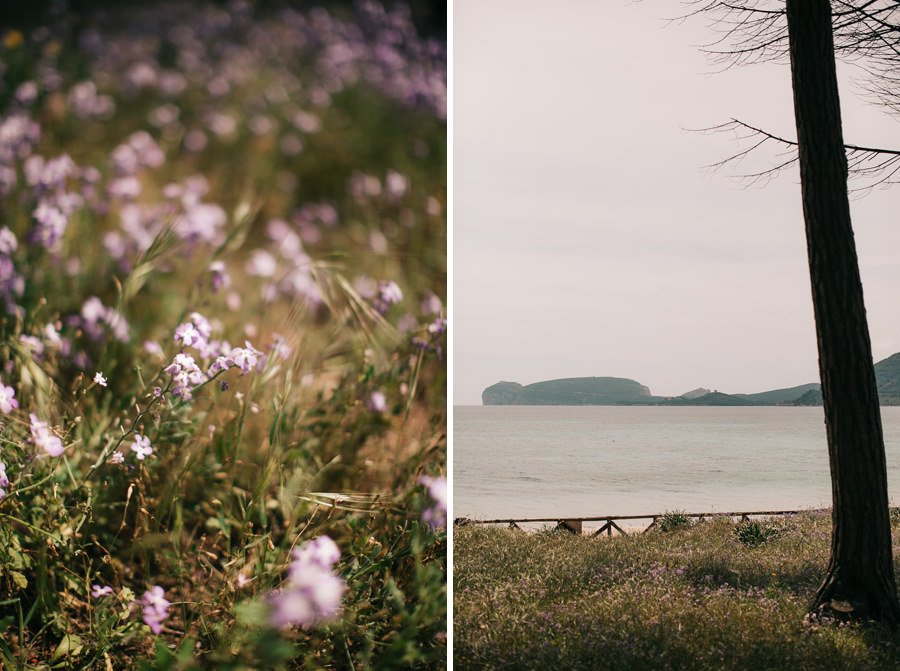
<point x="575" y="524"/>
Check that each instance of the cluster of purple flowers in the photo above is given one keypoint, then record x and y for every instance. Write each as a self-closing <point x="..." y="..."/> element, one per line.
<point x="186" y="375"/>
<point x="86" y="103"/>
<point x="154" y="608"/>
<point x="41" y="435"/>
<point x="153" y="604"/>
<point x="19" y="133"/>
<point x="49" y="180"/>
<point x="288" y="272"/>
<point x="312" y="591"/>
<point x="196" y="333"/>
<point x="96" y="319"/>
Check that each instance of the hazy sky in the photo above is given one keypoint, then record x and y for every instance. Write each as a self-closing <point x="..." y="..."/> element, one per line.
<point x="587" y="239"/>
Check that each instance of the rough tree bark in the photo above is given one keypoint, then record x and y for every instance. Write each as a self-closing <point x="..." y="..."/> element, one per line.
<point x="860" y="580"/>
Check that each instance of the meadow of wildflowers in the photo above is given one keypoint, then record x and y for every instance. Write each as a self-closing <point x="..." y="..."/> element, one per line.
<point x="222" y="372"/>
<point x="702" y="596"/>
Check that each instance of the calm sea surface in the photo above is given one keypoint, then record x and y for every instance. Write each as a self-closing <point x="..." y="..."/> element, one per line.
<point x="536" y="461"/>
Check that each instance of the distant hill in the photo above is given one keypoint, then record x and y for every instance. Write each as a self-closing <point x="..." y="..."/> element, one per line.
<point x="780" y="395"/>
<point x="623" y="391"/>
<point x="812" y="397"/>
<point x="696" y="393"/>
<point x="887" y="379"/>
<point x="569" y="391"/>
<point x="887" y="376"/>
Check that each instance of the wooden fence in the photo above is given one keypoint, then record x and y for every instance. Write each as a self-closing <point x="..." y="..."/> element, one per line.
<point x="575" y="524"/>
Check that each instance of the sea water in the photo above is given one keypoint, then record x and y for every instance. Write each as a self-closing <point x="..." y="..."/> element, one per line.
<point x="540" y="461"/>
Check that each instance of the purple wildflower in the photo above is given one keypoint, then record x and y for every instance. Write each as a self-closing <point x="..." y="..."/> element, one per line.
<point x="4" y="480"/>
<point x="388" y="294"/>
<point x="201" y="222"/>
<point x="141" y="447"/>
<point x="187" y="334"/>
<point x="44" y="438"/>
<point x="155" y="608"/>
<point x="8" y="242"/>
<point x="98" y="591"/>
<point x="261" y="264"/>
<point x="220" y="278"/>
<point x="221" y="363"/>
<point x="94" y="314"/>
<point x="321" y="551"/>
<point x="377" y="402"/>
<point x="153" y="348"/>
<point x="312" y="591"/>
<point x="438" y="326"/>
<point x="396" y="184"/>
<point x="245" y="357"/>
<point x="436" y="515"/>
<point x="51" y="224"/>
<point x="8" y="401"/>
<point x="194" y="333"/>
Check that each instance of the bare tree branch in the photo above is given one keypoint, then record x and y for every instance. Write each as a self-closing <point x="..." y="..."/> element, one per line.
<point x="866" y="34"/>
<point x="874" y="166"/>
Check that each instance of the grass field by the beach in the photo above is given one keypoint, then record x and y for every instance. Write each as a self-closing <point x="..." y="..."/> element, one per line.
<point x="716" y="595"/>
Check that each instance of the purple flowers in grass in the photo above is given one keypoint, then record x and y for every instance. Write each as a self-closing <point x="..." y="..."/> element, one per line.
<point x="155" y="608"/>
<point x="312" y="592"/>
<point x="44" y="438"/>
<point x="98" y="591"/>
<point x="435" y="515"/>
<point x="95" y="315"/>
<point x="186" y="374"/>
<point x="54" y="204"/>
<point x="141" y="447"/>
<point x="8" y="401"/>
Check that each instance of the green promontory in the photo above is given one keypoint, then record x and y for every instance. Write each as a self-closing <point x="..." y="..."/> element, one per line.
<point x="569" y="391"/>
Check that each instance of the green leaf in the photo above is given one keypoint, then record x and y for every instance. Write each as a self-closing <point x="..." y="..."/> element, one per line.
<point x="19" y="579"/>
<point x="69" y="646"/>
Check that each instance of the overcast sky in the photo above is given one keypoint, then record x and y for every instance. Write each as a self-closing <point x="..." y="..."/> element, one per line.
<point x="587" y="238"/>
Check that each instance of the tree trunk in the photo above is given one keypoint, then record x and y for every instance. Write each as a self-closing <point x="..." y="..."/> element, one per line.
<point x="860" y="581"/>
